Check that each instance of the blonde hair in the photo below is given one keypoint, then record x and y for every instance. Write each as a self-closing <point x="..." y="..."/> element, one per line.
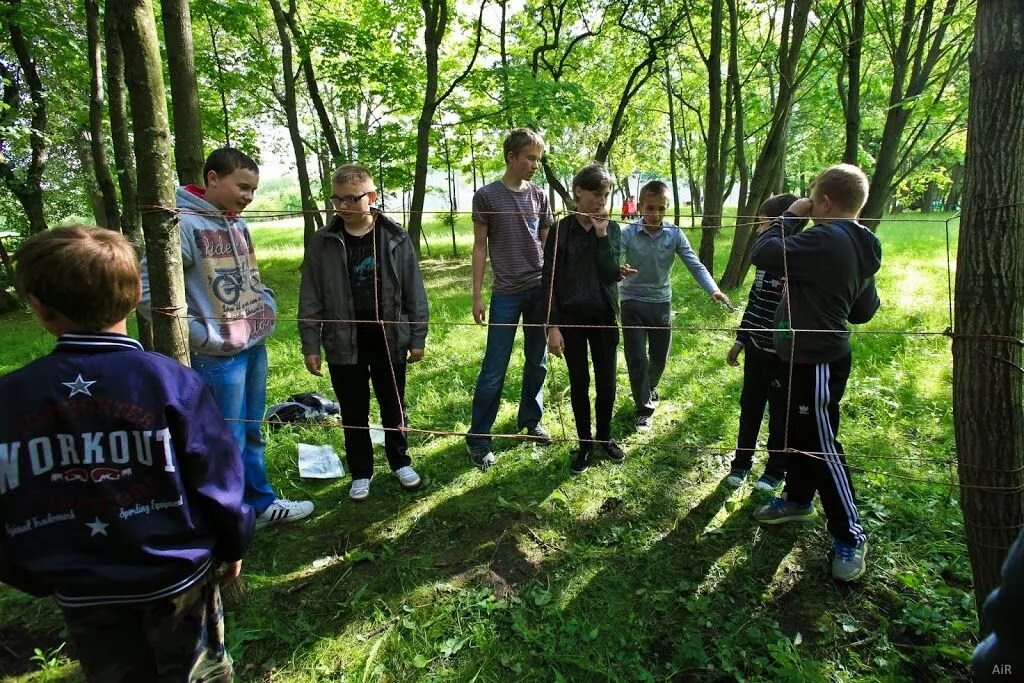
<point x="350" y="173"/>
<point x="845" y="184"/>
<point x="519" y="139"/>
<point x="90" y="275"/>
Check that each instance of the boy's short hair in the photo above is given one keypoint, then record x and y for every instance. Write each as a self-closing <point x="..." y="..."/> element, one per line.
<point x="226" y="161"/>
<point x="655" y="187"/>
<point x="88" y="274"/>
<point x="520" y="139"/>
<point x="845" y="184"/>
<point x="776" y="204"/>
<point x="592" y="177"/>
<point x="350" y="173"/>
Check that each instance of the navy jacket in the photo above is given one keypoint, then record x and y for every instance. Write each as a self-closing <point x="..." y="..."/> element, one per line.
<point x="830" y="279"/>
<point x="1000" y="657"/>
<point x="119" y="481"/>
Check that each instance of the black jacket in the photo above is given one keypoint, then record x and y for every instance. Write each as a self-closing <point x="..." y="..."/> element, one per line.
<point x="829" y="271"/>
<point x="557" y="267"/>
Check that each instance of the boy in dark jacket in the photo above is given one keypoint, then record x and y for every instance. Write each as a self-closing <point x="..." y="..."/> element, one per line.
<point x="580" y="278"/>
<point x="829" y="270"/>
<point x="362" y="267"/>
<point x="120" y="485"/>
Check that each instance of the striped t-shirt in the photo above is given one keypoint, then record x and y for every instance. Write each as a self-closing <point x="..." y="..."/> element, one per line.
<point x="758" y="322"/>
<point x="514" y="222"/>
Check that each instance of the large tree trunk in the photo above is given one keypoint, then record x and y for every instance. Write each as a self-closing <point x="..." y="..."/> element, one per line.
<point x="181" y="65"/>
<point x="672" y="142"/>
<point x="714" y="169"/>
<point x="987" y="412"/>
<point x="310" y="217"/>
<point x="124" y="164"/>
<point x="84" y="154"/>
<point x="851" y="98"/>
<point x="326" y="125"/>
<point x="144" y="76"/>
<point x="98" y="148"/>
<point x="25" y="184"/>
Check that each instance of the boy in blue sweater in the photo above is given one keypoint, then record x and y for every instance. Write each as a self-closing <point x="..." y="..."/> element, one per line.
<point x="120" y="485"/>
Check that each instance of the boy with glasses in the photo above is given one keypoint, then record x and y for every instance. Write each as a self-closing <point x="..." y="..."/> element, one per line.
<point x="361" y="274"/>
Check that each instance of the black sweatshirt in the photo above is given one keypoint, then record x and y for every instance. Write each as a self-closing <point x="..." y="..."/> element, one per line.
<point x="829" y="271"/>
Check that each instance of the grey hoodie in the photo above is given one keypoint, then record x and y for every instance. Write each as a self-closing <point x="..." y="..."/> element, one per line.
<point x="229" y="308"/>
<point x="830" y="279"/>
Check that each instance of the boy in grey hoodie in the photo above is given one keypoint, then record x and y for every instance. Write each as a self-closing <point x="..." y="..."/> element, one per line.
<point x="829" y="271"/>
<point x="230" y="315"/>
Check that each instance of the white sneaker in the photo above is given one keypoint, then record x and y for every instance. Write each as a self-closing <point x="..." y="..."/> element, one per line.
<point x="407" y="477"/>
<point x="360" y="489"/>
<point x="282" y="510"/>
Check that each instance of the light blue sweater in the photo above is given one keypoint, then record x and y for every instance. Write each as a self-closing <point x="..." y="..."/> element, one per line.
<point x="653" y="257"/>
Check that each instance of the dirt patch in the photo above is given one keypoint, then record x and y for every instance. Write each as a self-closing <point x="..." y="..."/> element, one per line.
<point x="505" y="570"/>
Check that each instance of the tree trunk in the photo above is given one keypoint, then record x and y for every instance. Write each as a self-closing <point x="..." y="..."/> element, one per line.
<point x="326" y="125"/>
<point x="928" y="198"/>
<point x="851" y="113"/>
<point x="714" y="171"/>
<point x="144" y="76"/>
<point x="987" y="412"/>
<point x="309" y="210"/>
<point x="739" y="130"/>
<point x="672" y="143"/>
<point x="25" y="184"/>
<point x="952" y="202"/>
<point x="181" y="66"/>
<point x="98" y="148"/>
<point x="225" y="115"/>
<point x="84" y="154"/>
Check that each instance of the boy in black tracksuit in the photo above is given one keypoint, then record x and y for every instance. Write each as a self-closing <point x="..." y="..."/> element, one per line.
<point x="829" y="270"/>
<point x="764" y="374"/>
<point x="580" y="283"/>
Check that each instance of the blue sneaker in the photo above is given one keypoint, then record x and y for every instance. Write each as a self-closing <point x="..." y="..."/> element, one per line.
<point x="849" y="562"/>
<point x="767" y="483"/>
<point x="780" y="510"/>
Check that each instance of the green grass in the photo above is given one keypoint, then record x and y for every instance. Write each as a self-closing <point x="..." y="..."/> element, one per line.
<point x="646" y="571"/>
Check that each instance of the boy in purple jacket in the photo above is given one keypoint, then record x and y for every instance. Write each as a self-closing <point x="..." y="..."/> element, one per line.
<point x="120" y="485"/>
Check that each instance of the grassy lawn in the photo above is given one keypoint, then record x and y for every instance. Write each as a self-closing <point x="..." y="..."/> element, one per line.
<point x="650" y="570"/>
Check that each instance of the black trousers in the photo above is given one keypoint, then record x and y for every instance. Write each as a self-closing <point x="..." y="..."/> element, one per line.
<point x="764" y="384"/>
<point x="821" y="466"/>
<point x="603" y="344"/>
<point x="352" y="387"/>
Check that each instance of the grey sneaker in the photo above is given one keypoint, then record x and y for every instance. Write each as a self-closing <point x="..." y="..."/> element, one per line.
<point x="780" y="510"/>
<point x="848" y="562"/>
<point x="767" y="483"/>
<point x="482" y="456"/>
<point x="407" y="477"/>
<point x="736" y="477"/>
<point x="360" y="489"/>
<point x="539" y="435"/>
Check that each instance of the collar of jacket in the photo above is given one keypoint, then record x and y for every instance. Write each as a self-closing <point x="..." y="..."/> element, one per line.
<point x="394" y="231"/>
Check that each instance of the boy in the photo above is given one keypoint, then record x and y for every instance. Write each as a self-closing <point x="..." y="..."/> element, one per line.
<point x="363" y="267"/>
<point x="829" y="270"/>
<point x="511" y="218"/>
<point x="120" y="485"/>
<point x="231" y="315"/>
<point x="581" y="278"/>
<point x="650" y="246"/>
<point x="764" y="375"/>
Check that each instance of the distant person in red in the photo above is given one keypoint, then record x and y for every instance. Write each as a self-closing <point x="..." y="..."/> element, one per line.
<point x="629" y="208"/>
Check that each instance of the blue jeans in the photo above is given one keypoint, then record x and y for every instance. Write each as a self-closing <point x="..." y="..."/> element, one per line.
<point x="507" y="309"/>
<point x="239" y="386"/>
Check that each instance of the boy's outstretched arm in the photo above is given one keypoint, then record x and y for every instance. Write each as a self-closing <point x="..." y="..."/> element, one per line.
<point x="311" y="310"/>
<point x="692" y="262"/>
<point x="479" y="263"/>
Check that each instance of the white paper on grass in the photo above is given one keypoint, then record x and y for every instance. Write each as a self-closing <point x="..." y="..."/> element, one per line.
<point x="319" y="462"/>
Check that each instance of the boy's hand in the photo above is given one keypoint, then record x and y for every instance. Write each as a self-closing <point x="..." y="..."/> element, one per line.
<point x="231" y="571"/>
<point x="801" y="207"/>
<point x="556" y="344"/>
<point x="721" y="298"/>
<point x="313" y="364"/>
<point x="600" y="223"/>
<point x="479" y="312"/>
<point x="415" y="355"/>
<point x="625" y="270"/>
<point x="733" y="357"/>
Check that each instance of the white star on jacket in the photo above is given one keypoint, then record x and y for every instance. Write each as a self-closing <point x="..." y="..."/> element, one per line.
<point x="97" y="527"/>
<point x="79" y="386"/>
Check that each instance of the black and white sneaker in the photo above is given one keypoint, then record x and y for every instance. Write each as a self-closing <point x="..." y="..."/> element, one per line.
<point x="655" y="399"/>
<point x="282" y="510"/>
<point x="612" y="450"/>
<point x="482" y="456"/>
<point x="539" y="435"/>
<point x="581" y="460"/>
<point x="643" y="423"/>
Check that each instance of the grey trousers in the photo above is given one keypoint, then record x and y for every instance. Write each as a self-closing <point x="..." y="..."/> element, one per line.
<point x="646" y="349"/>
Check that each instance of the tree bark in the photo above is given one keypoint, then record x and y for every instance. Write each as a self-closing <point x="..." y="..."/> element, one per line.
<point x="26" y="185"/>
<point x="851" y="57"/>
<point x="987" y="413"/>
<point x="97" y="145"/>
<point x="84" y="154"/>
<point x="289" y="103"/>
<point x="672" y="143"/>
<point x="144" y="76"/>
<point x="326" y="124"/>
<point x="181" y="66"/>
<point x="714" y="169"/>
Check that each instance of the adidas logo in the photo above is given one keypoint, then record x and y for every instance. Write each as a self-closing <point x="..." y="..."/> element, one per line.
<point x="804" y="410"/>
